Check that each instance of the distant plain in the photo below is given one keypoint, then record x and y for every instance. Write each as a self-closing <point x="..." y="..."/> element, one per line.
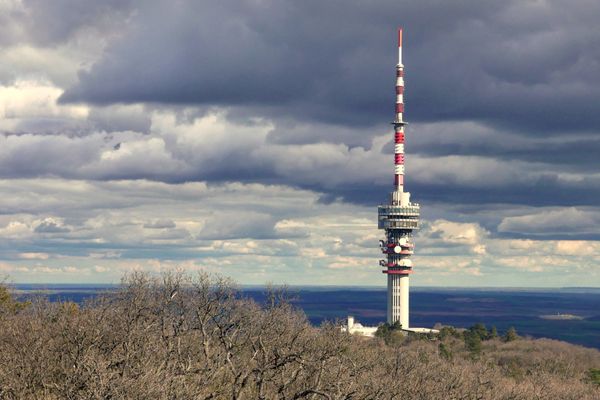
<point x="525" y="309"/>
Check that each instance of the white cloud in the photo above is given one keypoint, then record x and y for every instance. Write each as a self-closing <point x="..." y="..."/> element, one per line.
<point x="25" y="100"/>
<point x="562" y="221"/>
<point x="115" y="227"/>
<point x="577" y="247"/>
<point x="449" y="265"/>
<point x="34" y="256"/>
<point x="442" y="235"/>
<point x="16" y="230"/>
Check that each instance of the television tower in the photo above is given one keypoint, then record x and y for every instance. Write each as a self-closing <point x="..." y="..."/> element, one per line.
<point x="399" y="218"/>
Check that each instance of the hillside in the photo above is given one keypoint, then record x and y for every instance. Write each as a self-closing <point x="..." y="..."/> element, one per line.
<point x="194" y="338"/>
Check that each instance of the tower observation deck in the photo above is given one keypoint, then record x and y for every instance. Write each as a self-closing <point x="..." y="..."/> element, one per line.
<point x="399" y="218"/>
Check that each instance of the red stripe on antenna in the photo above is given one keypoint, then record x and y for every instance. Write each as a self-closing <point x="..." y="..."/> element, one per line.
<point x="399" y="37"/>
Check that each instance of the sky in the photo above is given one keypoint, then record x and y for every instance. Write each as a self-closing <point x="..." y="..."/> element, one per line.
<point x="252" y="139"/>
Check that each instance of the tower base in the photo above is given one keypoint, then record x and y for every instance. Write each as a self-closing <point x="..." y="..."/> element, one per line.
<point x="356" y="328"/>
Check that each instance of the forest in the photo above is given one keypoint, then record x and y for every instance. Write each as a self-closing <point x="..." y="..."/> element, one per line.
<point x="180" y="336"/>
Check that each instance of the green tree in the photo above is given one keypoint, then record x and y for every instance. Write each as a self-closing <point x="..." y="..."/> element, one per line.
<point x="472" y="343"/>
<point x="593" y="376"/>
<point x="445" y="352"/>
<point x="382" y="331"/>
<point x="448" y="331"/>
<point x="8" y="304"/>
<point x="493" y="333"/>
<point x="510" y="335"/>
<point x="391" y="334"/>
<point x="480" y="330"/>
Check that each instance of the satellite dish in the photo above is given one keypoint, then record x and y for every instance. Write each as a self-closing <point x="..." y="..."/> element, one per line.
<point x="397" y="249"/>
<point x="402" y="241"/>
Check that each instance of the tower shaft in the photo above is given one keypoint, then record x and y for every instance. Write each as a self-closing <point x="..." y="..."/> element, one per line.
<point x="398" y="218"/>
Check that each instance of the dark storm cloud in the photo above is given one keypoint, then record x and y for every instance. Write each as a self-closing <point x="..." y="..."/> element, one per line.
<point x="48" y="23"/>
<point x="532" y="65"/>
<point x="572" y="151"/>
<point x="579" y="154"/>
<point x="503" y="97"/>
<point x="544" y="190"/>
<point x="50" y="227"/>
<point x="336" y="171"/>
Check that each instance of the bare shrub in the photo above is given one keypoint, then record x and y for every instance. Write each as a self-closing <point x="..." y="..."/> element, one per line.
<point x="183" y="337"/>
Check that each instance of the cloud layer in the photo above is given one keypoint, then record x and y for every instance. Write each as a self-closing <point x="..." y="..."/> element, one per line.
<point x="521" y="65"/>
<point x="242" y="133"/>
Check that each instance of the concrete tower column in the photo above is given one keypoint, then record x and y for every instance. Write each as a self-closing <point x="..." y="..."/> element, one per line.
<point x="403" y="306"/>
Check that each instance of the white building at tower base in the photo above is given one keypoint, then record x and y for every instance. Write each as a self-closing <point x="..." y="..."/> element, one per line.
<point x="356" y="328"/>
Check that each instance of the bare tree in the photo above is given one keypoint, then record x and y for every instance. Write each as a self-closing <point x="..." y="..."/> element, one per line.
<point x="178" y="336"/>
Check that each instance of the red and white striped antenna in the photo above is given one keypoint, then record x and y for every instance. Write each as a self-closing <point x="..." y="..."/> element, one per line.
<point x="398" y="121"/>
<point x="399" y="46"/>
